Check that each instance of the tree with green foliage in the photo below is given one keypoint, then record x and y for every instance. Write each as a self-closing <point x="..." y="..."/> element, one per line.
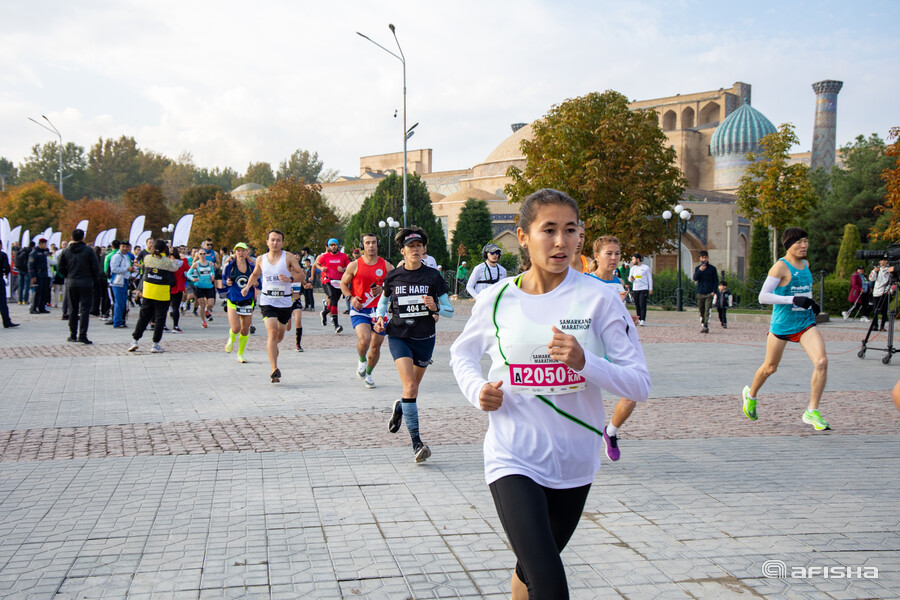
<point x="178" y="177"/>
<point x="222" y="218"/>
<point x="118" y="165"/>
<point x="35" y="206"/>
<point x="616" y="162"/>
<point x="301" y="165"/>
<point x="43" y="164"/>
<point x="846" y="259"/>
<point x="387" y="201"/>
<point x="473" y="229"/>
<point x="760" y="253"/>
<point x="259" y="172"/>
<point x="150" y="201"/>
<point x="195" y="197"/>
<point x="8" y="171"/>
<point x="772" y="192"/>
<point x="295" y="208"/>
<point x="226" y="178"/>
<point x="849" y="193"/>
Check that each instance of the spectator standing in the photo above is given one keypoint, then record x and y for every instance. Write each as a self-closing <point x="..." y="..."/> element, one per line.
<point x="4" y="309"/>
<point x="881" y="294"/>
<point x="707" y="278"/>
<point x="81" y="269"/>
<point x="722" y="301"/>
<point x="39" y="272"/>
<point x="120" y="269"/>
<point x="462" y="275"/>
<point x="22" y="267"/>
<point x="860" y="294"/>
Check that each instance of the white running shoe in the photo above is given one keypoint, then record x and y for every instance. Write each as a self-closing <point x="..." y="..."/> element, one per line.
<point x="641" y="323"/>
<point x="845" y="314"/>
<point x="370" y="383"/>
<point x="361" y="370"/>
<point x="133" y="347"/>
<point x="864" y="320"/>
<point x="156" y="349"/>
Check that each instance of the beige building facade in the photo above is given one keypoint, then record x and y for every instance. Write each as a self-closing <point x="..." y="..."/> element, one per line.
<point x="710" y="132"/>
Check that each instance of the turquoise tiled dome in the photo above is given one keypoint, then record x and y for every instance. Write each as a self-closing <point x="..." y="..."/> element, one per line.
<point x="740" y="132"/>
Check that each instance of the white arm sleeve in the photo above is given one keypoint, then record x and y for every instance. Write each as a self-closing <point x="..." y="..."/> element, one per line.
<point x="470" y="284"/>
<point x="467" y="350"/>
<point x="767" y="297"/>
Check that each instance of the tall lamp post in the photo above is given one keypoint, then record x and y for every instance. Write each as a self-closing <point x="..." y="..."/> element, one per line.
<point x="390" y="225"/>
<point x="56" y="131"/>
<point x="407" y="133"/>
<point x="682" y="216"/>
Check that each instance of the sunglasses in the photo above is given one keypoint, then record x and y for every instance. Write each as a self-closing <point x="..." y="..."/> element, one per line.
<point x="494" y="252"/>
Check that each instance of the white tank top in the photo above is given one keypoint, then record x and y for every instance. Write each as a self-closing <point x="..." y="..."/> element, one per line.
<point x="275" y="292"/>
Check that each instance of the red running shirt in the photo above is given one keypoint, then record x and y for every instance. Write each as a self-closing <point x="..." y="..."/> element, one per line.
<point x="365" y="276"/>
<point x="331" y="262"/>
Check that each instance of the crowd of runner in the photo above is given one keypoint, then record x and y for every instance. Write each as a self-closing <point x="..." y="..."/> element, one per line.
<point x="556" y="334"/>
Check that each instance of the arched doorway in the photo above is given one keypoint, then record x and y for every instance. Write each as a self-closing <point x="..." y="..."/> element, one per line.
<point x="669" y="119"/>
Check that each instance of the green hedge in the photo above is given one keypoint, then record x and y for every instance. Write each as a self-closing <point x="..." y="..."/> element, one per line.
<point x="836" y="292"/>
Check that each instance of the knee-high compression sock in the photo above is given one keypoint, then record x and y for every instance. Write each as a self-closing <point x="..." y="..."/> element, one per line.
<point x="299" y="334"/>
<point x="230" y="343"/>
<point x="411" y="416"/>
<point x="242" y="343"/>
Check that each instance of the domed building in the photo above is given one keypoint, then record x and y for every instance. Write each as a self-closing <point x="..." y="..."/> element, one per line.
<point x="738" y="134"/>
<point x="710" y="131"/>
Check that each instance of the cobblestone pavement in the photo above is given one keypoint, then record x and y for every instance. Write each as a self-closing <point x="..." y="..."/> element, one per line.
<point x="188" y="475"/>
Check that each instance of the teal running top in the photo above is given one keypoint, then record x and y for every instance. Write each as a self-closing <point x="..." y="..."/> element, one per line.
<point x="789" y="318"/>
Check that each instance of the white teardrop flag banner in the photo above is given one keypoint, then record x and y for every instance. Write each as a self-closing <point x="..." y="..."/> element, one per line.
<point x="137" y="226"/>
<point x="82" y="225"/>
<point x="98" y="241"/>
<point x="142" y="239"/>
<point x="55" y="239"/>
<point x="183" y="230"/>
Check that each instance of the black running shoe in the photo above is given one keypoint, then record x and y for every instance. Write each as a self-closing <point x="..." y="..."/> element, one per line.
<point x="422" y="452"/>
<point x="396" y="417"/>
<point x="276" y="376"/>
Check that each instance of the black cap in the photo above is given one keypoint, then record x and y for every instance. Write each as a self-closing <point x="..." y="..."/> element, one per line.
<point x="414" y="236"/>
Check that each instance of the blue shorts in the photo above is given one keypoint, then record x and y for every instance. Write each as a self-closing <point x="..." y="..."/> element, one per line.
<point x="366" y="317"/>
<point x="419" y="351"/>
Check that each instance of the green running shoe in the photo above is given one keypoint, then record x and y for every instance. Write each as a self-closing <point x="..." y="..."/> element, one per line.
<point x="749" y="404"/>
<point x="812" y="417"/>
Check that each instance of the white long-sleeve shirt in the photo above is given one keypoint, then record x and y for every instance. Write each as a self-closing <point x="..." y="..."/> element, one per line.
<point x="642" y="278"/>
<point x="486" y="273"/>
<point x="526" y="436"/>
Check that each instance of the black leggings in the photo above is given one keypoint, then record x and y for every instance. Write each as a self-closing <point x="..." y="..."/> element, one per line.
<point x="538" y="522"/>
<point x="175" y="303"/>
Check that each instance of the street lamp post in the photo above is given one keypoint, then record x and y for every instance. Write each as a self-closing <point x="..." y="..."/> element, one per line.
<point x="167" y="233"/>
<point x="407" y="133"/>
<point x="682" y="216"/>
<point x="56" y="131"/>
<point x="390" y="225"/>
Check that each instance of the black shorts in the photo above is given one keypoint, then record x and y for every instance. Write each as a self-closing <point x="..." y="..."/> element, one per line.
<point x="419" y="351"/>
<point x="205" y="293"/>
<point x="297" y="305"/>
<point x="333" y="293"/>
<point x="282" y="313"/>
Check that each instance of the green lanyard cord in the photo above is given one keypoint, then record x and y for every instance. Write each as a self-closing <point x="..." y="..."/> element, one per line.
<point x="558" y="410"/>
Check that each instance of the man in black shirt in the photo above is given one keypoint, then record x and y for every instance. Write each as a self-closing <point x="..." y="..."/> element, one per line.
<point x="707" y="278"/>
<point x="79" y="265"/>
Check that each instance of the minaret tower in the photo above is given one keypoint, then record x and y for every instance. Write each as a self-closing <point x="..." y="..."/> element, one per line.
<point x="823" y="145"/>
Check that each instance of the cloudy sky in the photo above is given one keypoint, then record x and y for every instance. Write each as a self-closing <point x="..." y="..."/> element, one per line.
<point x="234" y="82"/>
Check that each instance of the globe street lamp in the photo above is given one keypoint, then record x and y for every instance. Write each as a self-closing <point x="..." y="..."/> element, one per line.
<point x="167" y="233"/>
<point x="56" y="131"/>
<point x="680" y="226"/>
<point x="407" y="133"/>
<point x="390" y="225"/>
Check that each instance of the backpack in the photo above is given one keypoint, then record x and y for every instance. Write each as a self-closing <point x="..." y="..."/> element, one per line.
<point x="21" y="261"/>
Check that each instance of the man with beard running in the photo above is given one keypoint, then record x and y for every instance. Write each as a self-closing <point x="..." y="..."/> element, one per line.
<point x="332" y="263"/>
<point x="362" y="283"/>
<point x="278" y="269"/>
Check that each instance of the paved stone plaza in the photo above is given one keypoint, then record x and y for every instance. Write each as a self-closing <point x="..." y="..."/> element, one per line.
<point x="186" y="475"/>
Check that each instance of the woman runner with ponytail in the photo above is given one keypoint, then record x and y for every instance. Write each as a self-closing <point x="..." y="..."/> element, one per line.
<point x="547" y="332"/>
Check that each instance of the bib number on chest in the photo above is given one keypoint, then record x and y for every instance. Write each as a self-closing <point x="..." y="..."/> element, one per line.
<point x="411" y="306"/>
<point x="533" y="372"/>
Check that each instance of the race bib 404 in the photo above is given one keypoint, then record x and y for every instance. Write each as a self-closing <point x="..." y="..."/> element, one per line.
<point x="532" y="371"/>
<point x="412" y="306"/>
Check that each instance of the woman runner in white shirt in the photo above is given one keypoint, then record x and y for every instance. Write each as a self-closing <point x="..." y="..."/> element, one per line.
<point x="547" y="332"/>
